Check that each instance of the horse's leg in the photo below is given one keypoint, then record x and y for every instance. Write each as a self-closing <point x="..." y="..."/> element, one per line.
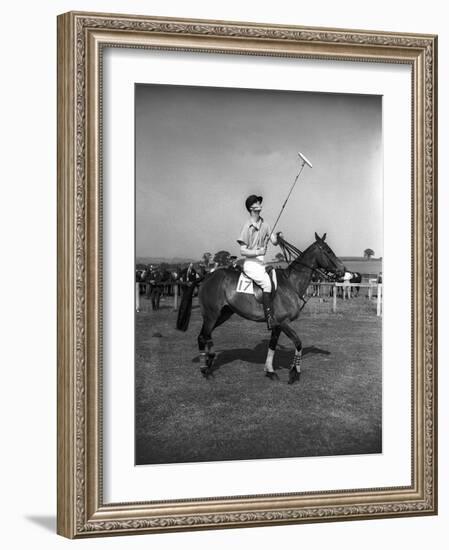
<point x="203" y="338"/>
<point x="225" y="314"/>
<point x="269" y="369"/>
<point x="205" y="342"/>
<point x="295" y="367"/>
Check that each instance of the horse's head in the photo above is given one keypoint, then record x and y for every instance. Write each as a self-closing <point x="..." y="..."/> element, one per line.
<point x="326" y="258"/>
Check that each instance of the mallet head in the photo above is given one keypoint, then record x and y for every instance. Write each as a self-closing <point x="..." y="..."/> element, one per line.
<point x="304" y="159"/>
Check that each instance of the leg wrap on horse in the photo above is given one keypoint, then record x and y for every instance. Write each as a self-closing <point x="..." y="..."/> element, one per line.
<point x="210" y="353"/>
<point x="203" y="360"/>
<point x="296" y="363"/>
<point x="207" y="354"/>
<point x="295" y="369"/>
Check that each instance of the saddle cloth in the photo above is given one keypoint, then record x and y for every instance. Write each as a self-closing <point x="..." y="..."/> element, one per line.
<point x="247" y="285"/>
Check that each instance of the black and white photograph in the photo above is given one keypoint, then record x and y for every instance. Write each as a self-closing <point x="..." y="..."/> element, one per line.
<point x="223" y="303"/>
<point x="258" y="248"/>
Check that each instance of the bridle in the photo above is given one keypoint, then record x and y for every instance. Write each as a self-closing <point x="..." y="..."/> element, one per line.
<point x="328" y="256"/>
<point x="290" y="251"/>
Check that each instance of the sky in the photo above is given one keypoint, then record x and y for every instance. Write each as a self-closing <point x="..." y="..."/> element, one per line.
<point x="201" y="151"/>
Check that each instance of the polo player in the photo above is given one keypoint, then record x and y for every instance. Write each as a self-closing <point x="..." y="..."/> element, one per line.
<point x="253" y="243"/>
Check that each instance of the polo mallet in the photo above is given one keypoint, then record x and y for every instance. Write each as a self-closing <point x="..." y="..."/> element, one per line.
<point x="304" y="161"/>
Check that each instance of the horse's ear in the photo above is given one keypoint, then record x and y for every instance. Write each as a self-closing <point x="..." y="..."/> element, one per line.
<point x="316" y="236"/>
<point x="324" y="237"/>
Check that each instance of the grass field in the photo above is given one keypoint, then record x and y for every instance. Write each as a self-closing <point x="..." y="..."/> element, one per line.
<point x="335" y="409"/>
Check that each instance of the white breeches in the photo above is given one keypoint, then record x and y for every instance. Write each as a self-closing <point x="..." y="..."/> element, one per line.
<point x="256" y="271"/>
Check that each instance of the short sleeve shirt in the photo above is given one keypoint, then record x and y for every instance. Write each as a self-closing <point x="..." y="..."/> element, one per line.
<point x="254" y="235"/>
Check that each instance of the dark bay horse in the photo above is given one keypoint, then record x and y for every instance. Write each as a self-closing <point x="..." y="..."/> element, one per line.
<point x="219" y="300"/>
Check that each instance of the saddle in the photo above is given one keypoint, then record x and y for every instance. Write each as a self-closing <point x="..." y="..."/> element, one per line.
<point x="246" y="285"/>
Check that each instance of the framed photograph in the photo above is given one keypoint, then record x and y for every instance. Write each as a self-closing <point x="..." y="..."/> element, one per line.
<point x="247" y="274"/>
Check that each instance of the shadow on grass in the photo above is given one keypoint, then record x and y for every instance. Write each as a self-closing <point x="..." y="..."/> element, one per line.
<point x="282" y="359"/>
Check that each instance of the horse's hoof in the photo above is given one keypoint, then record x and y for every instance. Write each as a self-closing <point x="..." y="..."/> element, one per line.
<point x="207" y="372"/>
<point x="293" y="377"/>
<point x="210" y="359"/>
<point x="271" y="375"/>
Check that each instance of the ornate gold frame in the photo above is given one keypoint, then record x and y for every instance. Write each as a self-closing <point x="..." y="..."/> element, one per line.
<point x="81" y="37"/>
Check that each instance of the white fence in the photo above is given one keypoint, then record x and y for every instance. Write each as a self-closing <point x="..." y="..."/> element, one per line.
<point x="346" y="288"/>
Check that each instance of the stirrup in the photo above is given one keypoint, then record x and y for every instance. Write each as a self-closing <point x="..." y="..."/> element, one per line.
<point x="270" y="321"/>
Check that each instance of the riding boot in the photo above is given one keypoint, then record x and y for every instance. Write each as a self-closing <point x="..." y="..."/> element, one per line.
<point x="268" y="310"/>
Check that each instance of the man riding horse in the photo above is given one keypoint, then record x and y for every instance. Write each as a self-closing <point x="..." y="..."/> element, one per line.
<point x="253" y="242"/>
<point x="220" y="295"/>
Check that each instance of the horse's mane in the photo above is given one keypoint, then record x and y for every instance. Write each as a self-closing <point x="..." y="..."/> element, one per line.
<point x="299" y="257"/>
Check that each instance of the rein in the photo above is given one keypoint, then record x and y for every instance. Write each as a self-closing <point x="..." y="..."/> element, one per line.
<point x="293" y="255"/>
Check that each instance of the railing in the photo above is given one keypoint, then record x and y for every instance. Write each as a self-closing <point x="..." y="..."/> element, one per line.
<point x="333" y="289"/>
<point x="346" y="292"/>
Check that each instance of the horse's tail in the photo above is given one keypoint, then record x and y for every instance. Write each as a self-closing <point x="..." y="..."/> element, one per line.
<point x="185" y="309"/>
